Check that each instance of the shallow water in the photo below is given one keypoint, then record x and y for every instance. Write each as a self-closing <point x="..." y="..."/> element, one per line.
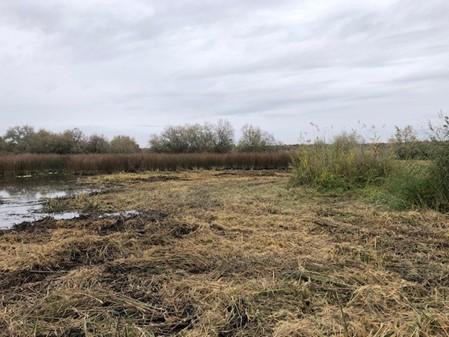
<point x="22" y="198"/>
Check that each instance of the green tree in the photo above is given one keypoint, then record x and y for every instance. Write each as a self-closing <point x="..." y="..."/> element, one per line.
<point x="98" y="144"/>
<point x="70" y="141"/>
<point x="43" y="141"/>
<point x="124" y="144"/>
<point x="3" y="147"/>
<point x="19" y="138"/>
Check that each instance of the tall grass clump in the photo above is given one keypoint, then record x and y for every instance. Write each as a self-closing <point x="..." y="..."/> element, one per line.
<point x="441" y="159"/>
<point x="341" y="165"/>
<point x="417" y="185"/>
<point x="424" y="184"/>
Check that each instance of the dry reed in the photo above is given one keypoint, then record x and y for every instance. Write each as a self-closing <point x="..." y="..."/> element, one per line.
<point x="94" y="163"/>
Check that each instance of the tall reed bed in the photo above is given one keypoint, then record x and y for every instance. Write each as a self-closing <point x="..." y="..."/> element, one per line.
<point x="92" y="163"/>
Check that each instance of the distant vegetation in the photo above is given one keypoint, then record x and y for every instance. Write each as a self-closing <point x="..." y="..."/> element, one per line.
<point x="214" y="138"/>
<point x="407" y="145"/>
<point x="405" y="172"/>
<point x="194" y="146"/>
<point x="108" y="163"/>
<point x="196" y="138"/>
<point x="349" y="163"/>
<point x="217" y="138"/>
<point x="421" y="184"/>
<point x="24" y="139"/>
<point x="341" y="165"/>
<point x="254" y="140"/>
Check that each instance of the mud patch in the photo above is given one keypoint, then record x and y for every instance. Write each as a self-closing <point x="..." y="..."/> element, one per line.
<point x="111" y="221"/>
<point x="87" y="252"/>
<point x="70" y="255"/>
<point x="154" y="179"/>
<point x="13" y="279"/>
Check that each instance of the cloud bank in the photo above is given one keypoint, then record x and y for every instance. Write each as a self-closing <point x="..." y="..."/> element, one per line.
<point x="133" y="67"/>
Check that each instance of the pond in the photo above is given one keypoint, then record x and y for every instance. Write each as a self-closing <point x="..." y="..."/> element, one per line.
<point x="22" y="198"/>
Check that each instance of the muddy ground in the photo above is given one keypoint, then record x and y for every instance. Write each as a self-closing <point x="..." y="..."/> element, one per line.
<point x="225" y="254"/>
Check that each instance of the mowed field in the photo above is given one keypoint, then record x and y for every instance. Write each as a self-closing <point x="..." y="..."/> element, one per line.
<point x="227" y="254"/>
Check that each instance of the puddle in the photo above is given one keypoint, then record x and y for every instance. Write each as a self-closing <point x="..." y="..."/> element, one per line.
<point x="75" y="215"/>
<point x="22" y="198"/>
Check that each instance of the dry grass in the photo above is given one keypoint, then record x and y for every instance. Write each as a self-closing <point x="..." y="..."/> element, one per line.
<point x="108" y="163"/>
<point x="226" y="254"/>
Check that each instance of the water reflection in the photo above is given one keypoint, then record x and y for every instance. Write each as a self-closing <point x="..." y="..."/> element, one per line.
<point x="21" y="198"/>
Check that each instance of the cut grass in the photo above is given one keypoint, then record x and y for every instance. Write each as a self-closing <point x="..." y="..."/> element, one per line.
<point x="221" y="253"/>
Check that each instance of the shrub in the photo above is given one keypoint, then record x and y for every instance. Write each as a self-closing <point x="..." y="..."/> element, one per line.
<point x="424" y="184"/>
<point x="97" y="144"/>
<point x="124" y="144"/>
<point x="440" y="170"/>
<point x="341" y="165"/>
<point x="254" y="139"/>
<point x="418" y="185"/>
<point x="406" y="144"/>
<point x="194" y="138"/>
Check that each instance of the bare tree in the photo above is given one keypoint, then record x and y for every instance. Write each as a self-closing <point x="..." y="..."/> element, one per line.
<point x="194" y="138"/>
<point x="255" y="139"/>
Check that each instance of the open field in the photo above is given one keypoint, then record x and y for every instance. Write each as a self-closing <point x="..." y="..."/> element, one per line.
<point x="228" y="254"/>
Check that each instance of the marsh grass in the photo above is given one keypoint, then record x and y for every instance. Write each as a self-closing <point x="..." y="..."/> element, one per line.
<point x="344" y="164"/>
<point x="108" y="163"/>
<point x="347" y="164"/>
<point x="420" y="184"/>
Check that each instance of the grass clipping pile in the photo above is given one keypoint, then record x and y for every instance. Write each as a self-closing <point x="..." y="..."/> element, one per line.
<point x="226" y="255"/>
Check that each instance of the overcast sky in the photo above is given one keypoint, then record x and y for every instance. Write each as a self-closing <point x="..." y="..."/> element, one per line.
<point x="135" y="66"/>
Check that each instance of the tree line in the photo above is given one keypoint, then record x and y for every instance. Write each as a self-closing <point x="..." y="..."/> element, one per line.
<point x="217" y="138"/>
<point x="25" y="139"/>
<point x="192" y="138"/>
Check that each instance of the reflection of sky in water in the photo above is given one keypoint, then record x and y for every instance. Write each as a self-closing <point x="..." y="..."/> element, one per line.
<point x="21" y="198"/>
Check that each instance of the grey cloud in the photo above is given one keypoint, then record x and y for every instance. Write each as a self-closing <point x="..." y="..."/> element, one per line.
<point x="429" y="76"/>
<point x="115" y="65"/>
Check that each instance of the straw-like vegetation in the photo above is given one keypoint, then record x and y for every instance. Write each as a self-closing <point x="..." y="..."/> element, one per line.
<point x="95" y="163"/>
<point x="228" y="254"/>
